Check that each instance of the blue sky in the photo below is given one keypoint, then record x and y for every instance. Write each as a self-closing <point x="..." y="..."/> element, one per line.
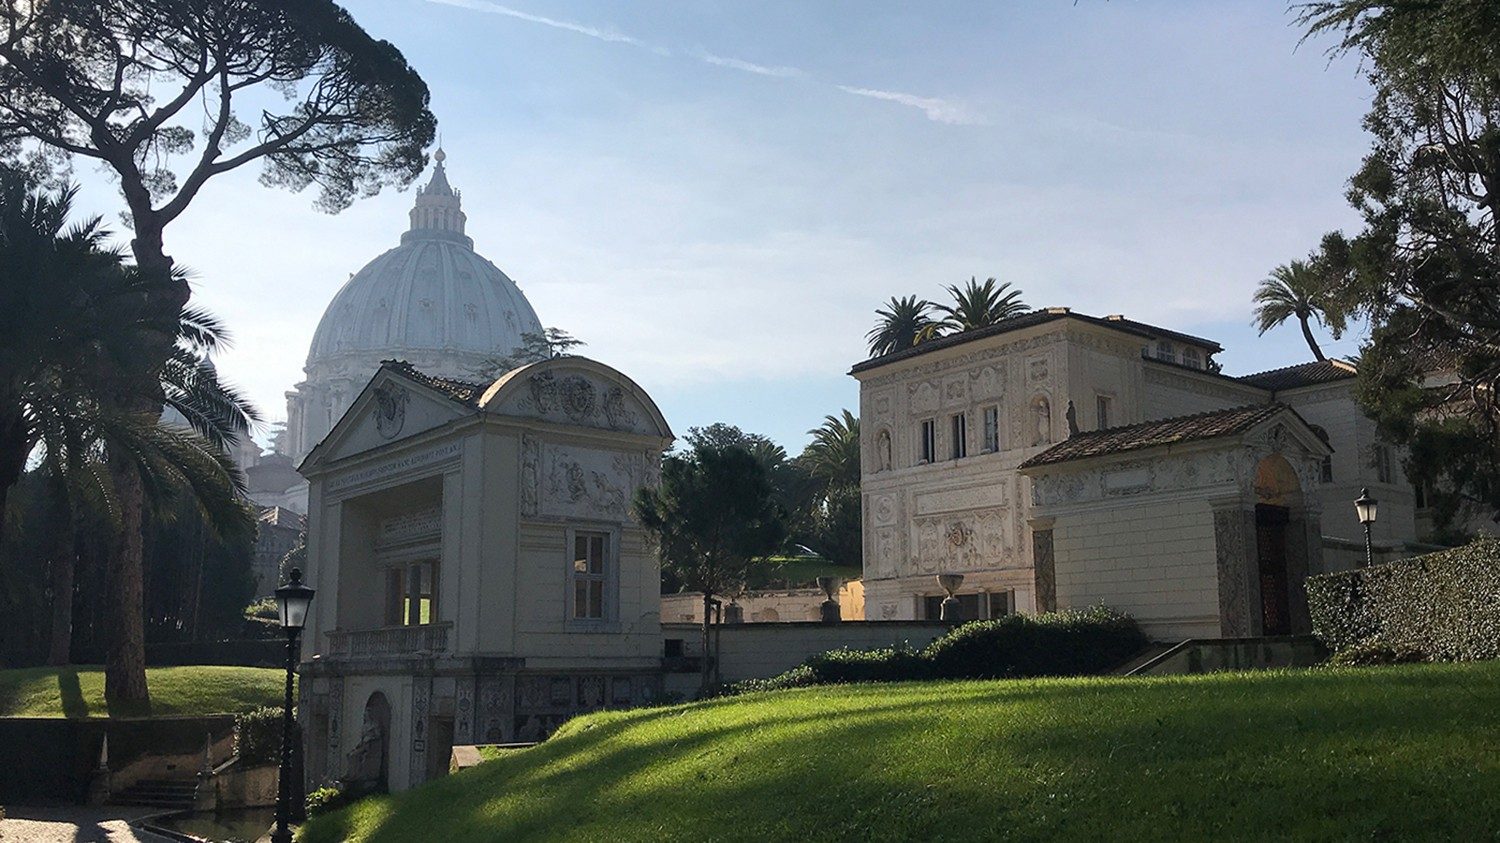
<point x="716" y="196"/>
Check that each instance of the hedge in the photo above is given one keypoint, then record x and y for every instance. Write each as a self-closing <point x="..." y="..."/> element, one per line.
<point x="257" y="735"/>
<point x="1444" y="606"/>
<point x="1069" y="643"/>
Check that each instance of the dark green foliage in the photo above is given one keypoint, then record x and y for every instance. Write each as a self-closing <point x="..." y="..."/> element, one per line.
<point x="1374" y="653"/>
<point x="1425" y="268"/>
<point x="901" y="324"/>
<point x="1444" y="606"/>
<point x="1068" y="643"/>
<point x="257" y="735"/>
<point x="977" y="305"/>
<point x="325" y="800"/>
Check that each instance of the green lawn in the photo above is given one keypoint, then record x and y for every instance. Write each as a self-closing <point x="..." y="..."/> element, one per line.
<point x="1393" y="753"/>
<point x="79" y="691"/>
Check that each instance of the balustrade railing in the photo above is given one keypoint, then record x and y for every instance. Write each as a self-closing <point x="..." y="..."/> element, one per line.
<point x="389" y="641"/>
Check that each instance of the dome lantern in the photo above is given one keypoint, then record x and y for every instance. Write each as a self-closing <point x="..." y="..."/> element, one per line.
<point x="437" y="213"/>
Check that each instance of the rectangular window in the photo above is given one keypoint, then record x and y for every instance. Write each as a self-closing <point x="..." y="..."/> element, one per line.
<point x="968" y="606"/>
<point x="929" y="441"/>
<point x="1001" y="603"/>
<point x="1327" y="473"/>
<point x="1190" y="358"/>
<point x="589" y="574"/>
<point x="1383" y="464"/>
<point x="991" y="429"/>
<point x="959" y="429"/>
<point x="410" y="594"/>
<point x="1164" y="352"/>
<point x="1101" y="410"/>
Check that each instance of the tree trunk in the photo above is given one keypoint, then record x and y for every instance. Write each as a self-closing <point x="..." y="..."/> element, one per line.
<point x="1312" y="343"/>
<point x="708" y="601"/>
<point x="125" y="650"/>
<point x="64" y="561"/>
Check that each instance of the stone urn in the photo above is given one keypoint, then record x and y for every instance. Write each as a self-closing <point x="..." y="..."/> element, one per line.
<point x="828" y="612"/>
<point x="950" y="583"/>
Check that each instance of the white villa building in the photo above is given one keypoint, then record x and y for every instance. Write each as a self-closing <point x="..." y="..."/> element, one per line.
<point x="1059" y="460"/>
<point x="479" y="576"/>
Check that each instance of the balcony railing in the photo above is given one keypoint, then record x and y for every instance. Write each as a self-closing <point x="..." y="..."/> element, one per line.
<point x="389" y="641"/>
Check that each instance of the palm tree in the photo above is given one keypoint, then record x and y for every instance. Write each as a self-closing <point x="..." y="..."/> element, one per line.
<point x="902" y="323"/>
<point x="1297" y="289"/>
<point x="833" y="455"/>
<point x="978" y="305"/>
<point x="77" y="334"/>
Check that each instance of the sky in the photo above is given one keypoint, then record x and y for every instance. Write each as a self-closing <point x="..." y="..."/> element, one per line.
<point x="716" y="196"/>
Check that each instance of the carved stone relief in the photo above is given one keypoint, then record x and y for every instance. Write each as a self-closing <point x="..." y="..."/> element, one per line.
<point x="421" y="692"/>
<point x="962" y="542"/>
<point x="390" y="409"/>
<point x="1045" y="567"/>
<point x="924" y="397"/>
<point x="883" y="510"/>
<point x="577" y="399"/>
<point x="582" y="482"/>
<point x="531" y="458"/>
<point x="419" y="525"/>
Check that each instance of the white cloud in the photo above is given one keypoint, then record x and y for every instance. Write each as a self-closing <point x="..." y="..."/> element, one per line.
<point x="747" y="66"/>
<point x="610" y="35"/>
<point x="937" y="110"/>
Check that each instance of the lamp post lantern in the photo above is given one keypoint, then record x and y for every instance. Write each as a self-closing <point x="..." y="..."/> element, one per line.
<point x="292" y="601"/>
<point x="1367" y="508"/>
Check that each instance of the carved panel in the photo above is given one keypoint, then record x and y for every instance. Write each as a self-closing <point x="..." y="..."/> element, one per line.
<point x="924" y="397"/>
<point x="883" y="510"/>
<point x="531" y="459"/>
<point x="463" y="710"/>
<point x="579" y="399"/>
<point x="420" y="525"/>
<point x="963" y="542"/>
<point x="421" y="692"/>
<point x="1233" y="545"/>
<point x="335" y="720"/>
<point x="586" y="483"/>
<point x="1045" y="570"/>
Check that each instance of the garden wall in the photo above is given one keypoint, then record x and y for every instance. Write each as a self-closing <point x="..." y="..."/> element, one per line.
<point x="763" y="650"/>
<point x="53" y="758"/>
<point x="1443" y="606"/>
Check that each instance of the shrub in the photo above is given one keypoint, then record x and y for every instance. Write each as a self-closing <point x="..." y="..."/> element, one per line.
<point x="1068" y="643"/>
<point x="257" y="735"/>
<point x="326" y="799"/>
<point x="1374" y="652"/>
<point x="1071" y="643"/>
<point x="263" y="609"/>
<point x="1444" y="606"/>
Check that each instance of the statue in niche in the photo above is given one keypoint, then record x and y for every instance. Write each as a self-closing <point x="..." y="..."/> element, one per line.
<point x="1041" y="412"/>
<point x="1072" y="417"/>
<point x="883" y="451"/>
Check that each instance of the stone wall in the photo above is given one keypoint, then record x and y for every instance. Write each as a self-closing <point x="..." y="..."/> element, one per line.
<point x="771" y="605"/>
<point x="760" y="651"/>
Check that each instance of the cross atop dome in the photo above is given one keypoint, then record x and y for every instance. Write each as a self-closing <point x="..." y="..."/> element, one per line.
<point x="437" y="213"/>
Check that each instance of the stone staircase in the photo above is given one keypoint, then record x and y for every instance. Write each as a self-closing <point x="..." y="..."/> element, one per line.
<point x="166" y="794"/>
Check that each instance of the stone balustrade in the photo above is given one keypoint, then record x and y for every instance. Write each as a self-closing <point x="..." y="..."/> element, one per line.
<point x="389" y="641"/>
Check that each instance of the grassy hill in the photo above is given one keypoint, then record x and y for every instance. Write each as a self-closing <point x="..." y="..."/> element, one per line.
<point x="1390" y="753"/>
<point x="79" y="691"/>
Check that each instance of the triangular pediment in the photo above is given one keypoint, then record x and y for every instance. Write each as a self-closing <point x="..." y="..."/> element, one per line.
<point x="393" y="406"/>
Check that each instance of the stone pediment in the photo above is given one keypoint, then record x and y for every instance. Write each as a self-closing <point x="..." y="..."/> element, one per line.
<point x="392" y="407"/>
<point x="578" y="392"/>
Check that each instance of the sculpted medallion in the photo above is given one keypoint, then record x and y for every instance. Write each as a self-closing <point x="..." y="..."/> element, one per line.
<point x="390" y="409"/>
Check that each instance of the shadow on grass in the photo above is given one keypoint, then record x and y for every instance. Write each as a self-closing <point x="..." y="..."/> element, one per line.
<point x="1392" y="753"/>
<point x="71" y="694"/>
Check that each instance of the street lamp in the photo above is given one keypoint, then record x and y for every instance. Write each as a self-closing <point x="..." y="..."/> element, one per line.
<point x="1366" y="506"/>
<point x="292" y="601"/>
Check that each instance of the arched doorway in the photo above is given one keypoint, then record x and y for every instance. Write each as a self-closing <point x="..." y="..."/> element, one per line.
<point x="369" y="763"/>
<point x="1277" y="493"/>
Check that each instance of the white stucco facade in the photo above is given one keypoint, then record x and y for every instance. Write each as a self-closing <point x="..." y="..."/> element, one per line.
<point x="947" y="426"/>
<point x="479" y="575"/>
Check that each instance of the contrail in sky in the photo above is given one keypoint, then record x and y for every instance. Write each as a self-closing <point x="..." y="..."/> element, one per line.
<point x="936" y="109"/>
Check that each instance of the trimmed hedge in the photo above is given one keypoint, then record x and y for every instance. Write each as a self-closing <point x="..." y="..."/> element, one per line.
<point x="1070" y="643"/>
<point x="257" y="735"/>
<point x="1444" y="606"/>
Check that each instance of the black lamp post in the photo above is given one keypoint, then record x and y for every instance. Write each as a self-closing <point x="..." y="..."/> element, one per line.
<point x="292" y="601"/>
<point x="1366" y="506"/>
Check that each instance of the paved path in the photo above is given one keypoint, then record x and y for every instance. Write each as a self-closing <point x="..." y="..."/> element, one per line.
<point x="74" y="825"/>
